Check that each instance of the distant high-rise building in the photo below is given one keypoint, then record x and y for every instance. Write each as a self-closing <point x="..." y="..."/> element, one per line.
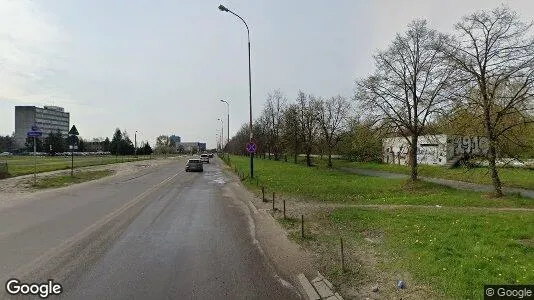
<point x="47" y="119"/>
<point x="176" y="139"/>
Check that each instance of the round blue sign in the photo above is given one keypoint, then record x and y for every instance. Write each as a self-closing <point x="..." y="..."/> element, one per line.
<point x="251" y="147"/>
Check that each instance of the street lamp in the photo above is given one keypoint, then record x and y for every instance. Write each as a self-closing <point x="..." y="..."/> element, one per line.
<point x="222" y="132"/>
<point x="135" y="141"/>
<point x="227" y="123"/>
<point x="222" y="8"/>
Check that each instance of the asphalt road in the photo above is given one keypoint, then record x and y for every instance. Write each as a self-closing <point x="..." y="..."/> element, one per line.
<point x="160" y="233"/>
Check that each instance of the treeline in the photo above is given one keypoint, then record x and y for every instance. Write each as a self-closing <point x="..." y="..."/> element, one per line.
<point x="477" y="81"/>
<point x="310" y="125"/>
<point x="54" y="142"/>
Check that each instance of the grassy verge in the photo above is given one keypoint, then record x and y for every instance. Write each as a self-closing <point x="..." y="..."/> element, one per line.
<point x="448" y="252"/>
<point x="61" y="180"/>
<point x="454" y="252"/>
<point x="22" y="165"/>
<point x="512" y="177"/>
<point x="337" y="186"/>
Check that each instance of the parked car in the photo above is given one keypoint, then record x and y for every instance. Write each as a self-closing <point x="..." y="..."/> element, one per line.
<point x="5" y="154"/>
<point x="194" y="164"/>
<point x="205" y="158"/>
<point x="210" y="155"/>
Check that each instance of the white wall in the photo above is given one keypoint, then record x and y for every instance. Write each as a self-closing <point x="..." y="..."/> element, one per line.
<point x="433" y="149"/>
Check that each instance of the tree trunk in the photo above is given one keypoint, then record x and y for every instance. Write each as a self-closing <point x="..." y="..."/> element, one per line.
<point x="296" y="150"/>
<point x="413" y="158"/>
<point x="308" y="158"/>
<point x="492" y="155"/>
<point x="329" y="158"/>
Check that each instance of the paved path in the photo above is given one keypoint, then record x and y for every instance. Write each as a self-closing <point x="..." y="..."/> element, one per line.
<point x="462" y="185"/>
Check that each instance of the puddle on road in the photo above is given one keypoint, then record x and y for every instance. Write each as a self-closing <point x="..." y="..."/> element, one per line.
<point x="220" y="181"/>
<point x="216" y="177"/>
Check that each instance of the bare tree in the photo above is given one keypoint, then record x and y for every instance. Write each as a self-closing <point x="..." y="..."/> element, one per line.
<point x="332" y="116"/>
<point x="291" y="132"/>
<point x="409" y="85"/>
<point x="274" y="110"/>
<point x="495" y="52"/>
<point x="308" y="113"/>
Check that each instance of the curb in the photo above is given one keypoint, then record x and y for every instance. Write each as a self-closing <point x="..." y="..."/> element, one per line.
<point x="319" y="288"/>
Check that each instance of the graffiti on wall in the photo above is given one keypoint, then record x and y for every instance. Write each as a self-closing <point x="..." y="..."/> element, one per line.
<point x="431" y="153"/>
<point x="434" y="150"/>
<point x="470" y="145"/>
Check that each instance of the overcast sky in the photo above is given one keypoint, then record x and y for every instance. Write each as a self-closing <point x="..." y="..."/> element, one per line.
<point x="160" y="67"/>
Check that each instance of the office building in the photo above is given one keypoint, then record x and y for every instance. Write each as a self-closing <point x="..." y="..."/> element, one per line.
<point x="47" y="119"/>
<point x="175" y="139"/>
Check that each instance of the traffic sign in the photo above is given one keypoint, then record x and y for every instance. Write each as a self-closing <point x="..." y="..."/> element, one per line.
<point x="73" y="130"/>
<point x="34" y="132"/>
<point x="251" y="147"/>
<point x="72" y="139"/>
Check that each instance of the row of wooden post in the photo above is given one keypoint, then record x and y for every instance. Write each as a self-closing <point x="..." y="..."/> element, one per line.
<point x="343" y="269"/>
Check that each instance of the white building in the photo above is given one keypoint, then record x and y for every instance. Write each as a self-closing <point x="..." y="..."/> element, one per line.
<point x="433" y="149"/>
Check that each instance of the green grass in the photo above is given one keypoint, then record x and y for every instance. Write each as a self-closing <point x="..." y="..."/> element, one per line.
<point x="22" y="165"/>
<point x="453" y="251"/>
<point x="321" y="184"/>
<point x="512" y="177"/>
<point x="65" y="179"/>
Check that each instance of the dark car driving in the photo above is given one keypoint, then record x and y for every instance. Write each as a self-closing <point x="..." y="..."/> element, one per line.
<point x="194" y="164"/>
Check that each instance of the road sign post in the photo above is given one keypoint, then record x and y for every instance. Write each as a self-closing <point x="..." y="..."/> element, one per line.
<point x="34" y="162"/>
<point x="34" y="133"/>
<point x="251" y="148"/>
<point x="73" y="132"/>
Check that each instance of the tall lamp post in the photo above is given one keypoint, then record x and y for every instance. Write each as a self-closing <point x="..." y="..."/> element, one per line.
<point x="222" y="8"/>
<point x="227" y="122"/>
<point x="222" y="133"/>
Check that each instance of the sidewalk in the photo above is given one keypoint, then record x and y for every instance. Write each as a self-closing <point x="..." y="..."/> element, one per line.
<point x="461" y="185"/>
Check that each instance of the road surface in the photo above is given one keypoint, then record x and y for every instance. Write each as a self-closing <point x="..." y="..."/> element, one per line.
<point x="159" y="233"/>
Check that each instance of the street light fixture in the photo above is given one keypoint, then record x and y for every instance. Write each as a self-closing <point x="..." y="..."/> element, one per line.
<point x="222" y="8"/>
<point x="227" y="122"/>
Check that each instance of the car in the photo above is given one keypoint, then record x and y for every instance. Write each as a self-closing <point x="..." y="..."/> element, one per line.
<point x="205" y="158"/>
<point x="210" y="155"/>
<point x="5" y="154"/>
<point x="194" y="164"/>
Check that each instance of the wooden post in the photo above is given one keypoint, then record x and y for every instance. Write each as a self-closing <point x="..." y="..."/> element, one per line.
<point x="302" y="225"/>
<point x="262" y="193"/>
<point x="342" y="255"/>
<point x="284" y="209"/>
<point x="273" y="201"/>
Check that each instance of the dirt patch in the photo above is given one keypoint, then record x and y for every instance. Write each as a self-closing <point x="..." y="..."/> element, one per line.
<point x="529" y="243"/>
